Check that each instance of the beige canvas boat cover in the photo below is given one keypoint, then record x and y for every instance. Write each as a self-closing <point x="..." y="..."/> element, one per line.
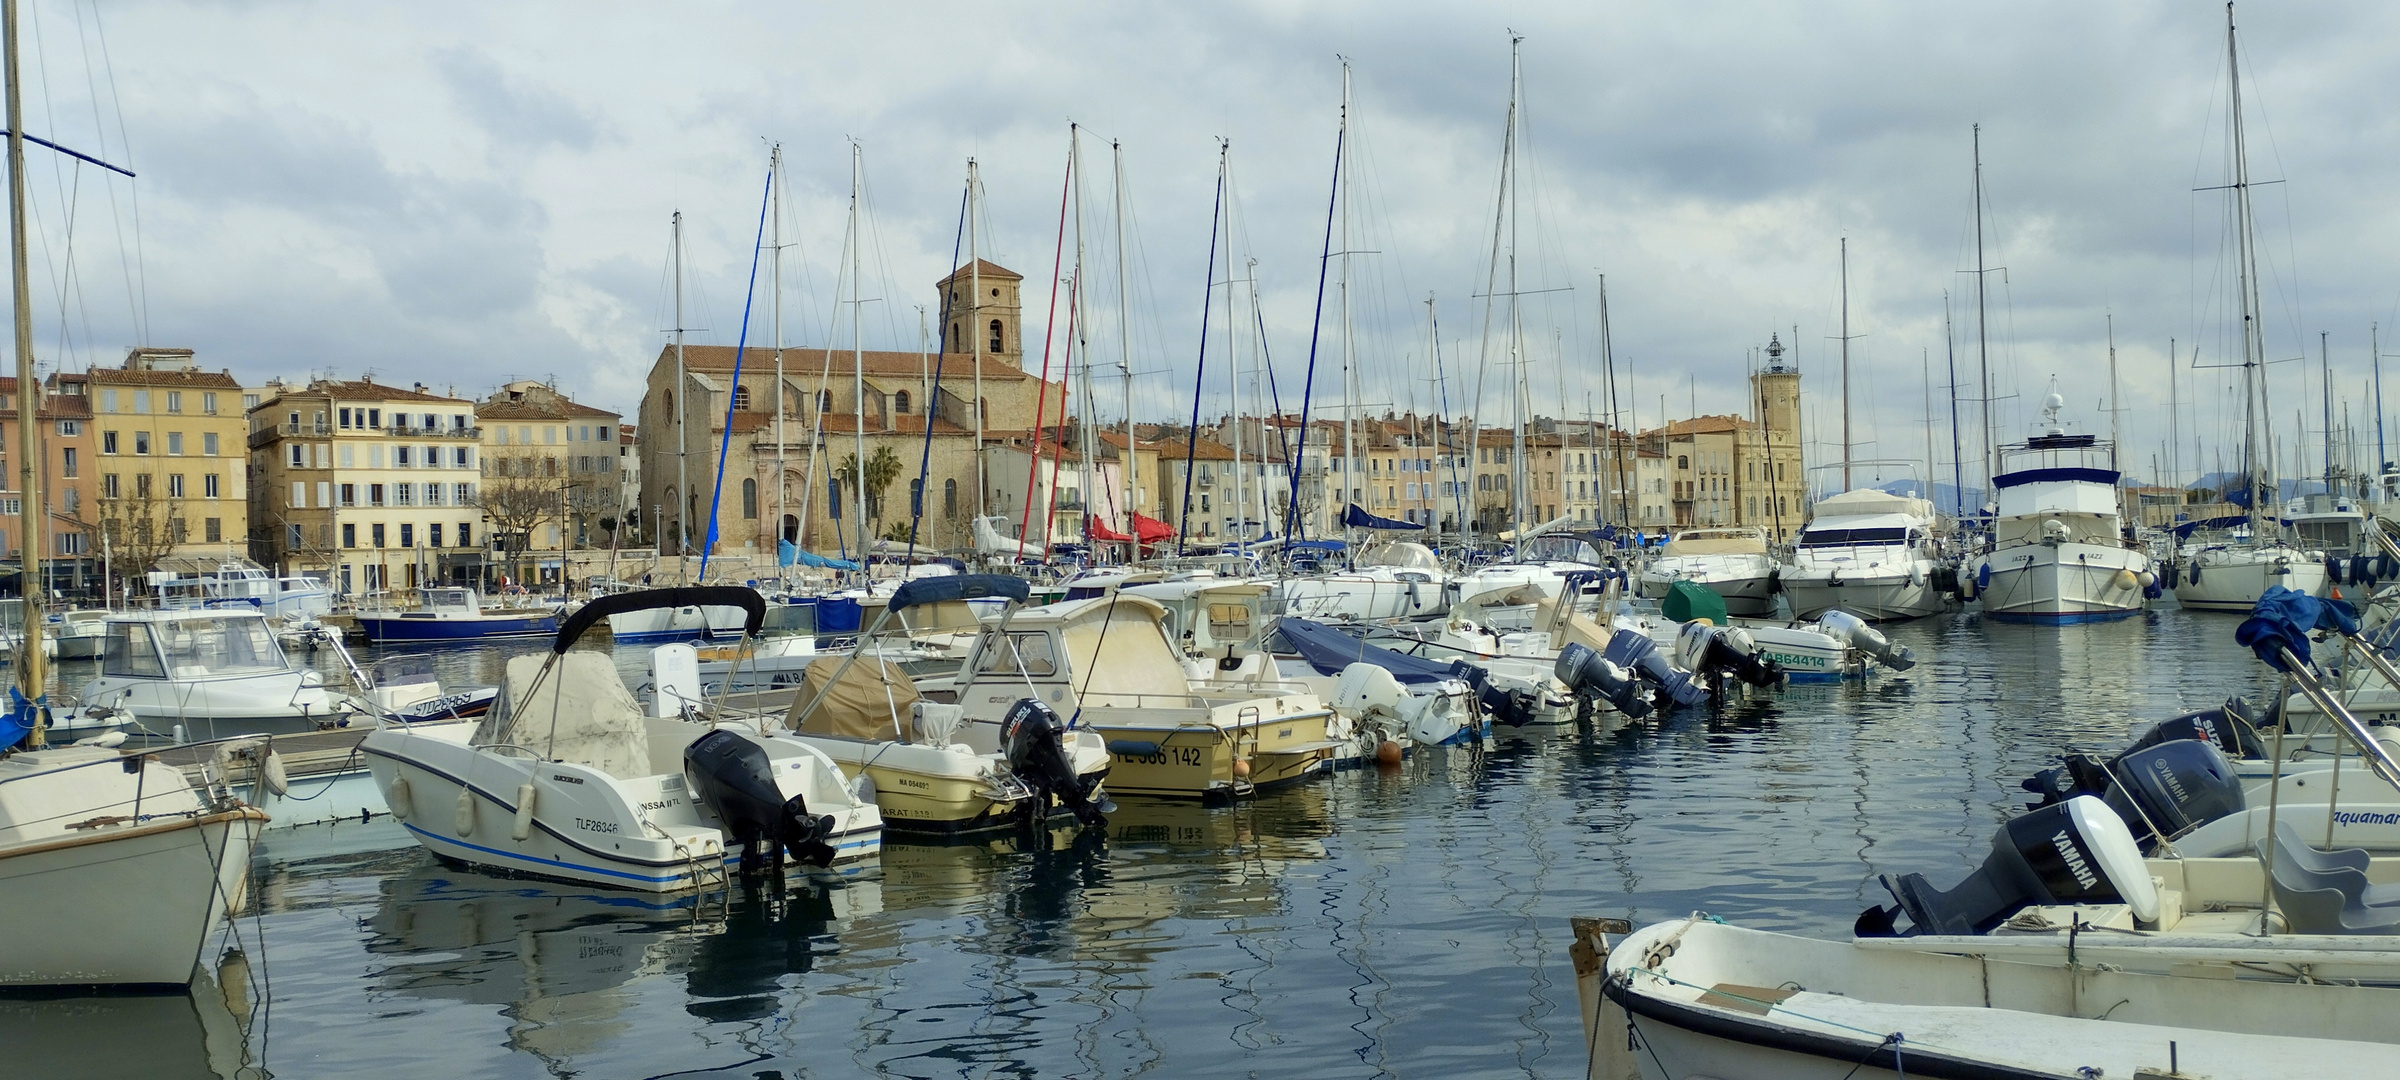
<point x="1866" y="502"/>
<point x="579" y="713"/>
<point x="1570" y="626"/>
<point x="867" y="702"/>
<point x="1717" y="542"/>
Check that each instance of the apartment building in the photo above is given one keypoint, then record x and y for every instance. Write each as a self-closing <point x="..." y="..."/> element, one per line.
<point x="550" y="474"/>
<point x="168" y="446"/>
<point x="65" y="434"/>
<point x="375" y="487"/>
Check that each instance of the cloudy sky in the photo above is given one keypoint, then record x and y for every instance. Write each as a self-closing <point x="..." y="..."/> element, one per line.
<point x="462" y="194"/>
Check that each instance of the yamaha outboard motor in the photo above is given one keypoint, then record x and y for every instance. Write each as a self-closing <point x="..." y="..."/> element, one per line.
<point x="1035" y="743"/>
<point x="2076" y="852"/>
<point x="1592" y="677"/>
<point x="1709" y="651"/>
<point x="1515" y="708"/>
<point x="734" y="779"/>
<point x="2226" y="729"/>
<point x="1633" y="650"/>
<point x="2162" y="790"/>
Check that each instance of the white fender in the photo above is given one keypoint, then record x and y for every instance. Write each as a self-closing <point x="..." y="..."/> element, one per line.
<point x="397" y="798"/>
<point x="2125" y="579"/>
<point x="524" y="826"/>
<point x="271" y="773"/>
<point x="466" y="811"/>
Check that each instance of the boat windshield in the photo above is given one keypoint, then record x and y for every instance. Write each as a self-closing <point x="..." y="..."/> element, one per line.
<point x="201" y="648"/>
<point x="412" y="669"/>
<point x="1852" y="537"/>
<point x="1561" y="549"/>
<point x="789" y="620"/>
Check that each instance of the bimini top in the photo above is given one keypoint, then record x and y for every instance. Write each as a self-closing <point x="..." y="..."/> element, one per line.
<point x="1402" y="556"/>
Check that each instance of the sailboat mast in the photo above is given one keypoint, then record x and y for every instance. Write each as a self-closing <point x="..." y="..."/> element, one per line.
<point x="2375" y="360"/>
<point x="1983" y="353"/>
<point x="775" y="280"/>
<point x="32" y="668"/>
<point x="1116" y="153"/>
<point x="1608" y="375"/>
<point x="2254" y="377"/>
<point x="2174" y="425"/>
<point x="1845" y="363"/>
<point x="683" y="472"/>
<point x="1350" y="483"/>
<point x="975" y="325"/>
<point x="1516" y="325"/>
<point x="858" y="364"/>
<point x="2325" y="367"/>
<point x="1958" y="466"/>
<point x="2116" y="433"/>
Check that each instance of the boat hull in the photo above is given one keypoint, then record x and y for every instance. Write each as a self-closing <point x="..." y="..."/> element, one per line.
<point x="1875" y="598"/>
<point x="929" y="792"/>
<point x="2236" y="586"/>
<point x="1745" y="597"/>
<point x="1199" y="761"/>
<point x="150" y="893"/>
<point x="2061" y="583"/>
<point x="407" y="629"/>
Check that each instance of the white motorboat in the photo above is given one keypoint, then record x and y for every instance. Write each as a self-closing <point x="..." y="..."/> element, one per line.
<point x="1389" y="581"/>
<point x="1107" y="664"/>
<point x="691" y="622"/>
<point x="2058" y="555"/>
<point x="148" y="865"/>
<point x="2232" y="576"/>
<point x="1868" y="552"/>
<point x="80" y="633"/>
<point x="242" y="585"/>
<point x="1546" y="562"/>
<point x="1731" y="562"/>
<point x="566" y="779"/>
<point x="209" y="673"/>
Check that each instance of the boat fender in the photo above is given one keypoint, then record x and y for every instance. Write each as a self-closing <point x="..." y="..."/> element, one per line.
<point x="2124" y="579"/>
<point x="524" y="824"/>
<point x="1132" y="747"/>
<point x="1774" y="580"/>
<point x="2333" y="569"/>
<point x="271" y="773"/>
<point x="863" y="789"/>
<point x="397" y="798"/>
<point x="2195" y="571"/>
<point x="1916" y="575"/>
<point x="466" y="811"/>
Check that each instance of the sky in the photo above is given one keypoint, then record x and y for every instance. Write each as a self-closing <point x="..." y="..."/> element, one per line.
<point x="464" y="194"/>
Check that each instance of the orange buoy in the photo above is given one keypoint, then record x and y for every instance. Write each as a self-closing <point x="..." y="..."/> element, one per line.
<point x="1387" y="755"/>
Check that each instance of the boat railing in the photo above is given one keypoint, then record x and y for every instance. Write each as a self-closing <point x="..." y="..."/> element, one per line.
<point x="225" y="747"/>
<point x="1126" y="700"/>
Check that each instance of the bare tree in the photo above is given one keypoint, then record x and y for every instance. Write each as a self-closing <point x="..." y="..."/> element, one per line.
<point x="516" y="495"/>
<point x="136" y="531"/>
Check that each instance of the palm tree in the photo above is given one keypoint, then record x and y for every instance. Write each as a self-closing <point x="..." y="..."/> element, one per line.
<point x="883" y="467"/>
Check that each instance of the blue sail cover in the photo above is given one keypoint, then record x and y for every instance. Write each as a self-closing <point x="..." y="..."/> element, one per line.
<point x="1329" y="650"/>
<point x="1357" y="518"/>
<point x="2283" y="620"/>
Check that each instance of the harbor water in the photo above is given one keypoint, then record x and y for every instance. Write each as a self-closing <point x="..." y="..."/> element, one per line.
<point x="1410" y="922"/>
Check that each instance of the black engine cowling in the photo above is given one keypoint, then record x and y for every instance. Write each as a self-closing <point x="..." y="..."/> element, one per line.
<point x="1590" y="676"/>
<point x="1034" y="742"/>
<point x="2075" y="852"/>
<point x="734" y="779"/>
<point x="2175" y="775"/>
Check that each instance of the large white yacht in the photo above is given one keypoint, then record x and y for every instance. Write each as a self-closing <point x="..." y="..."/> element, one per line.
<point x="2058" y="554"/>
<point x="1730" y="561"/>
<point x="1870" y="553"/>
<point x="1390" y="581"/>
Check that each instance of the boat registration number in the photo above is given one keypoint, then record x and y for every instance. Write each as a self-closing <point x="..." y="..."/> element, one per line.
<point x="1188" y="756"/>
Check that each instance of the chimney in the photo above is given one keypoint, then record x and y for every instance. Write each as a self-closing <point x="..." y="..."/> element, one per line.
<point x="420" y="388"/>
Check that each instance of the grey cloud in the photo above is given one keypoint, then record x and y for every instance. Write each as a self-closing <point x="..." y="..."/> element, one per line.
<point x="519" y="117"/>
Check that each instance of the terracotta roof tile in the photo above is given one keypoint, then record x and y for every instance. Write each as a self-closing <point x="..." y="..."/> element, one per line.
<point x="718" y="359"/>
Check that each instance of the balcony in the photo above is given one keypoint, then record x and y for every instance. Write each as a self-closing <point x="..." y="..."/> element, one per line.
<point x="406" y="432"/>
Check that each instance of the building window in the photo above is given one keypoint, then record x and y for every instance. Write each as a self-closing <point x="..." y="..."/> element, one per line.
<point x="342" y="417"/>
<point x="996" y="336"/>
<point x="175" y="485"/>
<point x="174" y="401"/>
<point x="459" y="458"/>
<point x="299" y="453"/>
<point x="292" y="539"/>
<point x="70" y="427"/>
<point x="900" y="401"/>
<point x="66" y="462"/>
<point x="375" y="534"/>
<point x="175" y="442"/>
<point x="141" y="442"/>
<point x="462" y="495"/>
<point x="108" y="487"/>
<point x="212" y="529"/>
<point x="375" y="498"/>
<point x="466" y="535"/>
<point x="374" y="418"/>
<point x="749" y="499"/>
<point x="950" y="499"/>
<point x="741" y="399"/>
<point x="824" y="401"/>
<point x="408" y="535"/>
<point x="433" y="535"/>
<point x="208" y="404"/>
<point x="401" y="457"/>
<point x="108" y="442"/>
<point x="108" y="401"/>
<point x="141" y="485"/>
<point x="349" y="536"/>
<point x="404" y="495"/>
<point x="208" y="486"/>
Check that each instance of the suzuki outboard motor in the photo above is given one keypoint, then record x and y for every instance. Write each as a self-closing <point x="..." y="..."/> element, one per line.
<point x="1854" y="631"/>
<point x="1633" y="650"/>
<point x="734" y="779"/>
<point x="1592" y="677"/>
<point x="2228" y="726"/>
<point x="1708" y="651"/>
<point x="2076" y="852"/>
<point x="1035" y="743"/>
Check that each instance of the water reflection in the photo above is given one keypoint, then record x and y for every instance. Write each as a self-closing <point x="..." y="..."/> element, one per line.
<point x="202" y="1033"/>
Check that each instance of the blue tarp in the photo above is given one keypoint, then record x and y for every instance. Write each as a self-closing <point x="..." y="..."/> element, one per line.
<point x="17" y="721"/>
<point x="786" y="553"/>
<point x="1329" y="650"/>
<point x="2184" y="531"/>
<point x="2283" y="620"/>
<point x="1316" y="545"/>
<point x="935" y="590"/>
<point x="1358" y="518"/>
<point x="822" y="563"/>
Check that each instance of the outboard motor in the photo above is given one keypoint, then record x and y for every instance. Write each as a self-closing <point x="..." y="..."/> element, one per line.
<point x="1634" y="651"/>
<point x="1708" y="651"/>
<point x="2227" y="727"/>
<point x="1516" y="708"/>
<point x="2076" y="852"/>
<point x="733" y="777"/>
<point x="2161" y="790"/>
<point x="1592" y="677"/>
<point x="1035" y="743"/>
<point x="1854" y="631"/>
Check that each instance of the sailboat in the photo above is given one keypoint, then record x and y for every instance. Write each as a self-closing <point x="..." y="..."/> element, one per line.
<point x="2231" y="576"/>
<point x="151" y="865"/>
